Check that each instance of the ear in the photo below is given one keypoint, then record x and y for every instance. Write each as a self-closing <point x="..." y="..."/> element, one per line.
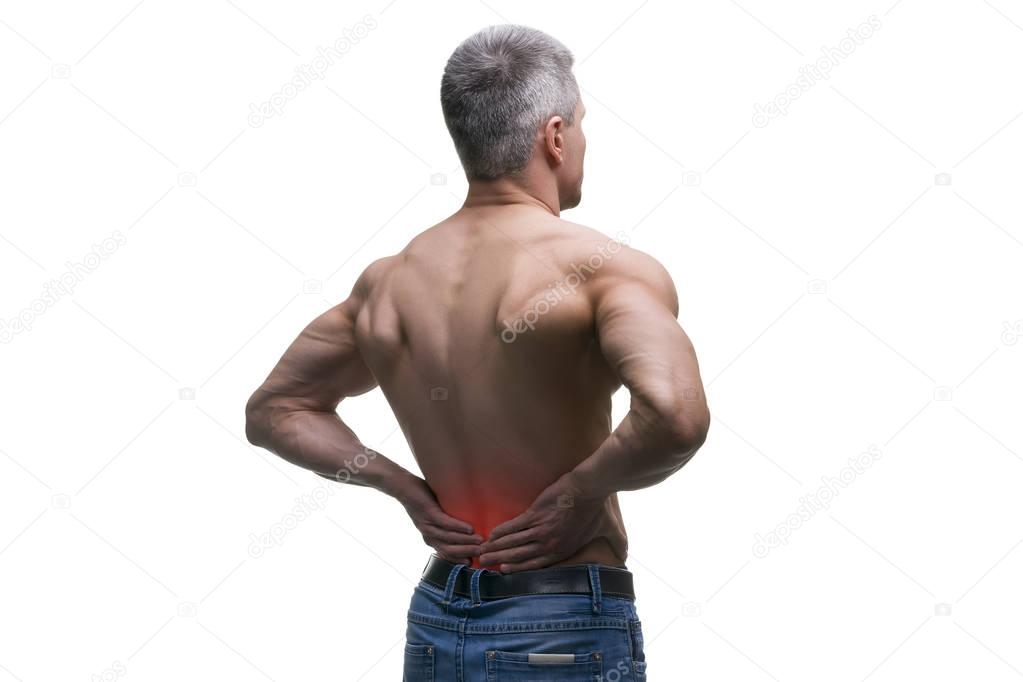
<point x="554" y="139"/>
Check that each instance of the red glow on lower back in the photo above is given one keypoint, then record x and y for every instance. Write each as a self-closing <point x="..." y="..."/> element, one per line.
<point x="484" y="518"/>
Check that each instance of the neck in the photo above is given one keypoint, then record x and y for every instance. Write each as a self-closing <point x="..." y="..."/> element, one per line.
<point x="506" y="191"/>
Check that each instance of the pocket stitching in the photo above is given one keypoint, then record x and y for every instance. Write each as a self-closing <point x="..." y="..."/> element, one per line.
<point x="426" y="652"/>
<point x="636" y="643"/>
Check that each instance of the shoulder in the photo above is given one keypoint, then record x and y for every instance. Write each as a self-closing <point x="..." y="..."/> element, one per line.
<point x="368" y="282"/>
<point x="613" y="268"/>
<point x="374" y="273"/>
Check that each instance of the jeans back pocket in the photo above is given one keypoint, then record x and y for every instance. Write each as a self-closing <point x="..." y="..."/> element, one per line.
<point x="636" y="645"/>
<point x="418" y="663"/>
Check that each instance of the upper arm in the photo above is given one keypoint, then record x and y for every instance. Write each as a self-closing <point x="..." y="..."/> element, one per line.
<point x="323" y="365"/>
<point x="635" y="310"/>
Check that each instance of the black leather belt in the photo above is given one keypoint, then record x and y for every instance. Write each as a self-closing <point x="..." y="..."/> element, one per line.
<point x="616" y="582"/>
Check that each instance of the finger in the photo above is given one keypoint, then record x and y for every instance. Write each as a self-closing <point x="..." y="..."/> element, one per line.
<point x="513" y="555"/>
<point x="451" y="537"/>
<point x="532" y="564"/>
<point x="458" y="551"/>
<point x="453" y="559"/>
<point x="520" y="522"/>
<point x="513" y="540"/>
<point x="438" y="518"/>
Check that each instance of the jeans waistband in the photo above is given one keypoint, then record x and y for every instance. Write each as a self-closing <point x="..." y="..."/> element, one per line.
<point x="479" y="584"/>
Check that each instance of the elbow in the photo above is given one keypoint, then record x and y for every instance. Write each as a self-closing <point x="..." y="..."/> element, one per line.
<point x="256" y="420"/>
<point x="685" y="434"/>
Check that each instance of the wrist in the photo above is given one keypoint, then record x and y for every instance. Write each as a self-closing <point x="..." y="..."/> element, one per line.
<point x="402" y="486"/>
<point x="585" y="486"/>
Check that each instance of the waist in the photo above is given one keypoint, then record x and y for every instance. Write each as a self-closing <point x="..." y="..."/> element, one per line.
<point x="563" y="579"/>
<point x="607" y="550"/>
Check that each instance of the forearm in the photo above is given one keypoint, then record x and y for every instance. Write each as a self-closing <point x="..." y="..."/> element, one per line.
<point x="640" y="453"/>
<point x="321" y="442"/>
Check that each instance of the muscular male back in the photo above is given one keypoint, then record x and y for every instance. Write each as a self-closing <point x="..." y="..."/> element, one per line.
<point x="498" y="337"/>
<point x="481" y="335"/>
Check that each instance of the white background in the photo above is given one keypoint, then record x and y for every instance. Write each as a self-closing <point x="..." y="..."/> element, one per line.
<point x="840" y="297"/>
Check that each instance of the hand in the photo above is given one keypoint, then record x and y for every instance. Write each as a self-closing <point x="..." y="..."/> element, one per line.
<point x="556" y="526"/>
<point x="452" y="539"/>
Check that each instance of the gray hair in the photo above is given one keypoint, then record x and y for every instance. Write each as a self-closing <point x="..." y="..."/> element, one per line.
<point x="498" y="87"/>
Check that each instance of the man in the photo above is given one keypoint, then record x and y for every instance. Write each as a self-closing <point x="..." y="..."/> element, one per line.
<point x="498" y="337"/>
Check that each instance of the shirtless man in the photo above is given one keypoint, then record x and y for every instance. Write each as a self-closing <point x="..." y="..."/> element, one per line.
<point x="498" y="337"/>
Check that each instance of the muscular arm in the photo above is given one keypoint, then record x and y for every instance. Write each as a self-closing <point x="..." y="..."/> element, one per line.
<point x="653" y="357"/>
<point x="635" y="309"/>
<point x="294" y="415"/>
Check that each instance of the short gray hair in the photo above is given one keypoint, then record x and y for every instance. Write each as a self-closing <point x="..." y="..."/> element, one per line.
<point x="498" y="87"/>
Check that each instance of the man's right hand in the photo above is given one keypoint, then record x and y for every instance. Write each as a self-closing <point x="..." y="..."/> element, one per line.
<point x="452" y="539"/>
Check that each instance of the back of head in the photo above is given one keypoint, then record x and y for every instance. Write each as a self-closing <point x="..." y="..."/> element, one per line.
<point x="498" y="87"/>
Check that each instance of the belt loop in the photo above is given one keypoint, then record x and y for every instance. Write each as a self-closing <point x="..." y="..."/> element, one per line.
<point x="449" y="588"/>
<point x="474" y="586"/>
<point x="594" y="572"/>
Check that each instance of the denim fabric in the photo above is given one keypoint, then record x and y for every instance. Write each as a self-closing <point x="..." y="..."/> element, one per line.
<point x="593" y="637"/>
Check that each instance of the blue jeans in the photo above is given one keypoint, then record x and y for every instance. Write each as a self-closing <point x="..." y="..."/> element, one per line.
<point x="538" y="637"/>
